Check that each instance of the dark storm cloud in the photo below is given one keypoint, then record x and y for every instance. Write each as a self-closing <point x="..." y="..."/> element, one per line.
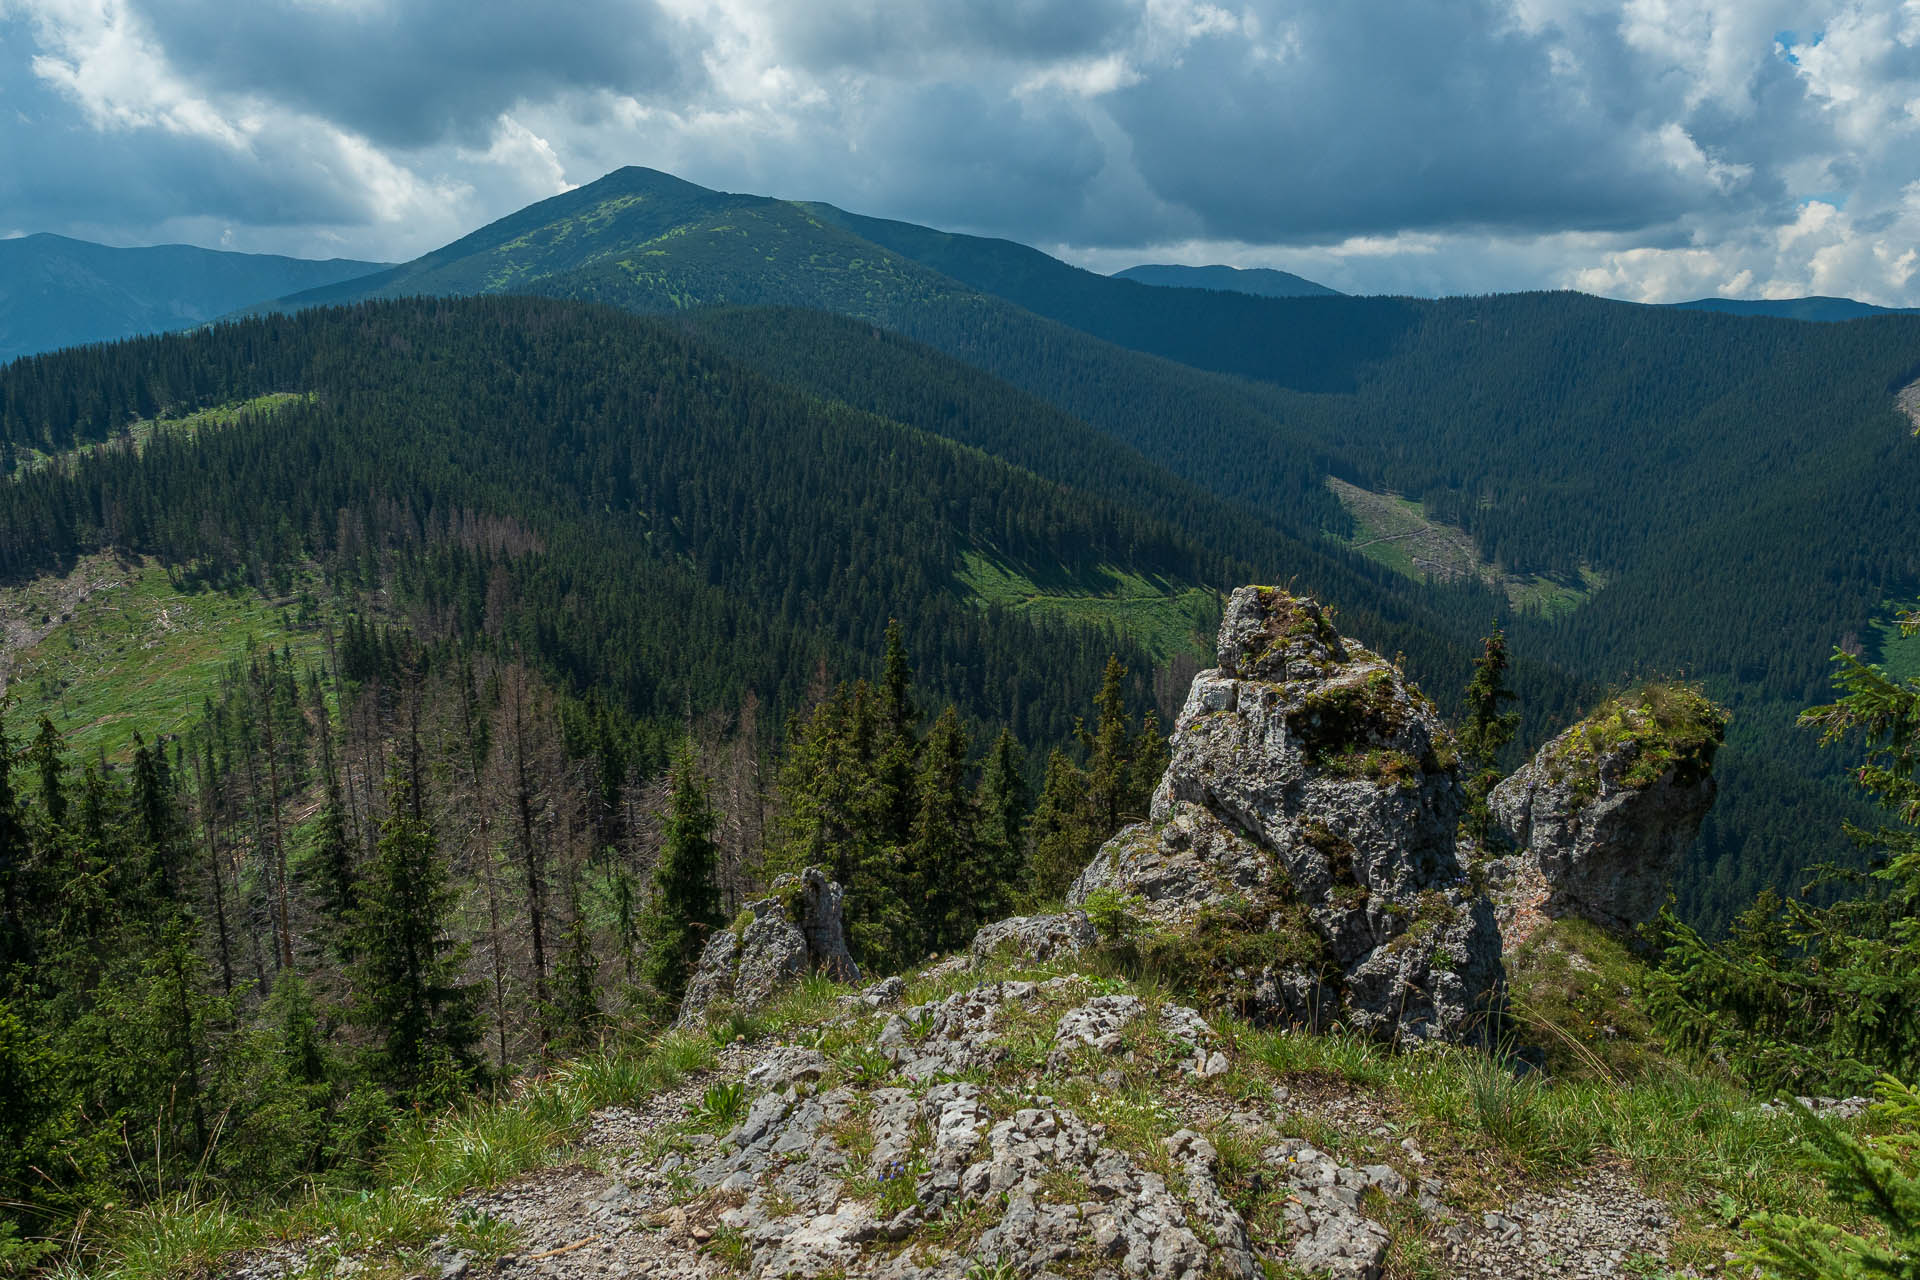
<point x="954" y="153"/>
<point x="881" y="35"/>
<point x="409" y="74"/>
<point x="1330" y="121"/>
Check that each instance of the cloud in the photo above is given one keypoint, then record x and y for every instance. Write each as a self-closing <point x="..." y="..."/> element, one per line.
<point x="1644" y="148"/>
<point x="412" y="74"/>
<point x="1447" y="118"/>
<point x="885" y="36"/>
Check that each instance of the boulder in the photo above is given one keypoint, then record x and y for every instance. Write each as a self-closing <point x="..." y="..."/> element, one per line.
<point x="1604" y="812"/>
<point x="798" y="929"/>
<point x="1033" y="937"/>
<point x="1301" y="845"/>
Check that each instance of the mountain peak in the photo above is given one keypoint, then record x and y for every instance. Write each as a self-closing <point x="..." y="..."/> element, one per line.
<point x="1262" y="282"/>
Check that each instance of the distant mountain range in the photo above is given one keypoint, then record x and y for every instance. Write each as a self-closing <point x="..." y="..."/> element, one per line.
<point x="57" y="292"/>
<point x="1262" y="282"/>
<point x="1825" y="310"/>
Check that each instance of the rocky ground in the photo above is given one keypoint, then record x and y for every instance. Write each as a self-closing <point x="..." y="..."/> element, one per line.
<point x="1016" y="1128"/>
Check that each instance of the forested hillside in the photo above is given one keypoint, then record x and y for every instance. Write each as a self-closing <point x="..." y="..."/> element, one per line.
<point x="1735" y="482"/>
<point x="517" y="640"/>
<point x="561" y="599"/>
<point x="641" y="515"/>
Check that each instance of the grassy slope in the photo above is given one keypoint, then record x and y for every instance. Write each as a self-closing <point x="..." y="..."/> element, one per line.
<point x="1164" y="617"/>
<point x="138" y="433"/>
<point x="112" y="646"/>
<point x="1899" y="654"/>
<point x="1398" y="533"/>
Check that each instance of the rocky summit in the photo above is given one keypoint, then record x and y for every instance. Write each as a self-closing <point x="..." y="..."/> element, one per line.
<point x="1599" y="819"/>
<point x="1302" y="844"/>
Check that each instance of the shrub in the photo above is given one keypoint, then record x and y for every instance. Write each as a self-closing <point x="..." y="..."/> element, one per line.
<point x="1877" y="1176"/>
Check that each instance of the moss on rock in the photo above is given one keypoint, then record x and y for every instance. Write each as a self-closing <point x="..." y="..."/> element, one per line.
<point x="1211" y="959"/>
<point x="1655" y="728"/>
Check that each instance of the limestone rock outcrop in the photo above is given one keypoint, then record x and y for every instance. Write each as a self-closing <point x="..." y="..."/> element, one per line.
<point x="1302" y="840"/>
<point x="1033" y="937"/>
<point x="1605" y="810"/>
<point x="798" y="929"/>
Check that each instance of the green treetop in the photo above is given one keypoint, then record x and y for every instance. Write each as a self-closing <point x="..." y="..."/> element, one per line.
<point x="686" y="904"/>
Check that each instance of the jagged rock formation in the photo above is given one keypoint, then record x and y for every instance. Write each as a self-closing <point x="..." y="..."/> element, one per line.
<point x="1300" y="852"/>
<point x="1603" y="813"/>
<point x="798" y="929"/>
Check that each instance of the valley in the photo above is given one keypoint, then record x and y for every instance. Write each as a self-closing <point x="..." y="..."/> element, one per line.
<point x="1690" y="461"/>
<point x="677" y="680"/>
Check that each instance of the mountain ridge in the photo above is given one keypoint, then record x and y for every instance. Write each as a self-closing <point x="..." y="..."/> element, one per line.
<point x="1263" y="282"/>
<point x="56" y="291"/>
<point x="1567" y="435"/>
<point x="1816" y="309"/>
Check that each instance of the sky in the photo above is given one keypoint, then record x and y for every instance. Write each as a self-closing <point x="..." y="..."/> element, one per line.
<point x="1654" y="150"/>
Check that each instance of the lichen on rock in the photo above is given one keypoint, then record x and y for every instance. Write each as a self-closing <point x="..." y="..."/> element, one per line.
<point x="1033" y="938"/>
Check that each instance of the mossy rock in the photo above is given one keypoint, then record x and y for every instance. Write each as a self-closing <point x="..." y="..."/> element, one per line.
<point x="1338" y="722"/>
<point x="1655" y="728"/>
<point x="1285" y="621"/>
<point x="1211" y="960"/>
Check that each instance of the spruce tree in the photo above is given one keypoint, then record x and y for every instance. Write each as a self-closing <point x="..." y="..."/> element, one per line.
<point x="1487" y="731"/>
<point x="49" y="762"/>
<point x="1001" y="804"/>
<point x="16" y="866"/>
<point x="155" y="826"/>
<point x="844" y="797"/>
<point x="576" y="990"/>
<point x="1081" y="808"/>
<point x="1809" y="997"/>
<point x="895" y="748"/>
<point x="407" y="971"/>
<point x="1875" y="1174"/>
<point x="335" y="878"/>
<point x="942" y="858"/>
<point x="686" y="904"/>
<point x="1059" y="835"/>
<point x="1109" y="751"/>
<point x="1146" y="767"/>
